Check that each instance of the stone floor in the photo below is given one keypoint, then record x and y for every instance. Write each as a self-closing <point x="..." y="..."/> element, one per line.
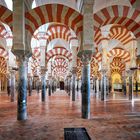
<point x="117" y="118"/>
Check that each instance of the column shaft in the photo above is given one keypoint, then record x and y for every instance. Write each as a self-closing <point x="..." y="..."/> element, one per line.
<point x="30" y="86"/>
<point x="9" y="86"/>
<point x="86" y="91"/>
<point x="12" y="89"/>
<point x="124" y="86"/>
<point x="73" y="86"/>
<point x="130" y="87"/>
<point x="50" y="88"/>
<point x="77" y="85"/>
<point x="22" y="91"/>
<point x="103" y="88"/>
<point x="43" y="88"/>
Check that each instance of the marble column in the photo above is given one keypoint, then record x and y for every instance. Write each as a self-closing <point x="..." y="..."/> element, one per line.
<point x="85" y="90"/>
<point x="38" y="85"/>
<point x="12" y="88"/>
<point x="107" y="85"/>
<point x="130" y="87"/>
<point x="103" y="86"/>
<point x="22" y="90"/>
<point x="95" y="86"/>
<point x="99" y="84"/>
<point x="136" y="85"/>
<point x="43" y="80"/>
<point x="130" y="76"/>
<point x="50" y="87"/>
<point x="69" y="85"/>
<point x="73" y="83"/>
<point x="30" y="85"/>
<point x="9" y="85"/>
<point x="124" y="85"/>
<point x="77" y="85"/>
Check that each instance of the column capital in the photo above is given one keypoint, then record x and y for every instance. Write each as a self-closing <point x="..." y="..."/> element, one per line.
<point x="129" y="72"/>
<point x="85" y="56"/>
<point x="43" y="71"/>
<point x="29" y="75"/>
<point x="103" y="71"/>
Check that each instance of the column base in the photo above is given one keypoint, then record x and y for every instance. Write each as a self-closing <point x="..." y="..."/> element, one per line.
<point x="22" y="116"/>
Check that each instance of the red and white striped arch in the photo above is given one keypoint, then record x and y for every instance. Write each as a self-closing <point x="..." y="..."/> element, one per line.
<point x="60" y="71"/>
<point x="3" y="31"/>
<point x="117" y="65"/>
<point x="60" y="62"/>
<point x="3" y="65"/>
<point x="98" y="57"/>
<point x="6" y="16"/>
<point x="3" y="53"/>
<point x="119" y="52"/>
<point x="118" y="14"/>
<point x="98" y="37"/>
<point x="116" y="52"/>
<point x="57" y="31"/>
<point x="34" y="65"/>
<point x="94" y="67"/>
<point x="53" y="13"/>
<point x="36" y="53"/>
<point x="120" y="33"/>
<point x="58" y="51"/>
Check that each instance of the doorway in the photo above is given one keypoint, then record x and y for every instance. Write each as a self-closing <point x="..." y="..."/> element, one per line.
<point x="61" y="85"/>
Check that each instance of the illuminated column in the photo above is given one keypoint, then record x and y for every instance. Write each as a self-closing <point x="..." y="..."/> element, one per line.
<point x="50" y="77"/>
<point x="74" y="44"/>
<point x="138" y="65"/>
<point x="97" y="85"/>
<point x="132" y="68"/>
<point x="103" y="85"/>
<point x="104" y="68"/>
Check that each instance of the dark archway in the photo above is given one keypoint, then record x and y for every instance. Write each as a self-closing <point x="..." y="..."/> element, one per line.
<point x="61" y="85"/>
